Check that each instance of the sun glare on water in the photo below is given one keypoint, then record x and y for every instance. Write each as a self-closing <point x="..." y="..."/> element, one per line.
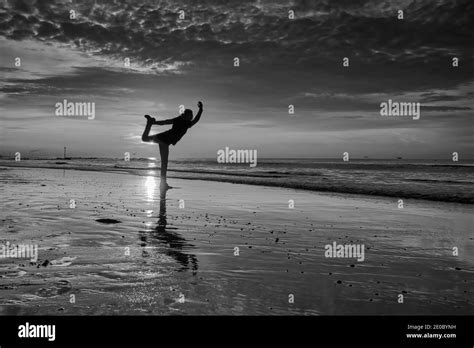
<point x="150" y="184"/>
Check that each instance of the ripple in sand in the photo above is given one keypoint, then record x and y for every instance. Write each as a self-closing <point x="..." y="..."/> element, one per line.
<point x="13" y="274"/>
<point x="64" y="261"/>
<point x="60" y="288"/>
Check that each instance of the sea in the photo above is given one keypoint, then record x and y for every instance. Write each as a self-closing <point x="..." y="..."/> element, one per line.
<point x="435" y="180"/>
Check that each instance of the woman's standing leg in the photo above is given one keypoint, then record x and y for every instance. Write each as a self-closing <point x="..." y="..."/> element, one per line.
<point x="164" y="152"/>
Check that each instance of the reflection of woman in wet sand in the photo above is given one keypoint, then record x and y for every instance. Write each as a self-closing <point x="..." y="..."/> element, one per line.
<point x="180" y="126"/>
<point x="176" y="246"/>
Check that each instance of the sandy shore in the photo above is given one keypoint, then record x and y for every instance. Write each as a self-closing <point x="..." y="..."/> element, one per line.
<point x="163" y="258"/>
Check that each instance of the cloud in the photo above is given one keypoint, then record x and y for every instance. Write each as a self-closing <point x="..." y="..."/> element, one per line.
<point x="386" y="54"/>
<point x="213" y="32"/>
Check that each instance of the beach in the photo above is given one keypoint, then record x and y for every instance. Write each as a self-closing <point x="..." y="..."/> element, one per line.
<point x="217" y="248"/>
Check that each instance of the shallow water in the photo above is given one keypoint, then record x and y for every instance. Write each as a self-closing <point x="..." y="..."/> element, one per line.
<point x="444" y="181"/>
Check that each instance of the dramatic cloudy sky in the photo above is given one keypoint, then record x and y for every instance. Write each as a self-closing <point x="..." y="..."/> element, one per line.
<point x="282" y="62"/>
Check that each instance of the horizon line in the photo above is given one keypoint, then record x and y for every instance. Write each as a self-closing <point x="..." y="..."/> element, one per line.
<point x="262" y="158"/>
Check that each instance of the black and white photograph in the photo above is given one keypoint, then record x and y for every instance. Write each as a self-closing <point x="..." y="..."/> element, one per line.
<point x="237" y="158"/>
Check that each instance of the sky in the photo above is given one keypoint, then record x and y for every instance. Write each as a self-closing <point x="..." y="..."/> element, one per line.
<point x="282" y="61"/>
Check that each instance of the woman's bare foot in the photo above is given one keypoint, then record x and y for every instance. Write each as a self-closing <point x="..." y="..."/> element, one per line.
<point x="164" y="186"/>
<point x="150" y="119"/>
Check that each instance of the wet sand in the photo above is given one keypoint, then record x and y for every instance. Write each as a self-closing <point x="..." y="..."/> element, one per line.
<point x="161" y="258"/>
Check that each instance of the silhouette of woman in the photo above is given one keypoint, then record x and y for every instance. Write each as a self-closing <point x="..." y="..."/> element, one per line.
<point x="180" y="126"/>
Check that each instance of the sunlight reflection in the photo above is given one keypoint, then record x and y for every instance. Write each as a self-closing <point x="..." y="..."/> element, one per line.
<point x="150" y="184"/>
<point x="152" y="163"/>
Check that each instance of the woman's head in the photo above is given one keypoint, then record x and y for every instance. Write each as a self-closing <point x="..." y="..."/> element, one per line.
<point x="187" y="115"/>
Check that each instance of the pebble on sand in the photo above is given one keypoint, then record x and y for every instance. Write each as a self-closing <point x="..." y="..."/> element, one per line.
<point x="46" y="263"/>
<point x="108" y="221"/>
